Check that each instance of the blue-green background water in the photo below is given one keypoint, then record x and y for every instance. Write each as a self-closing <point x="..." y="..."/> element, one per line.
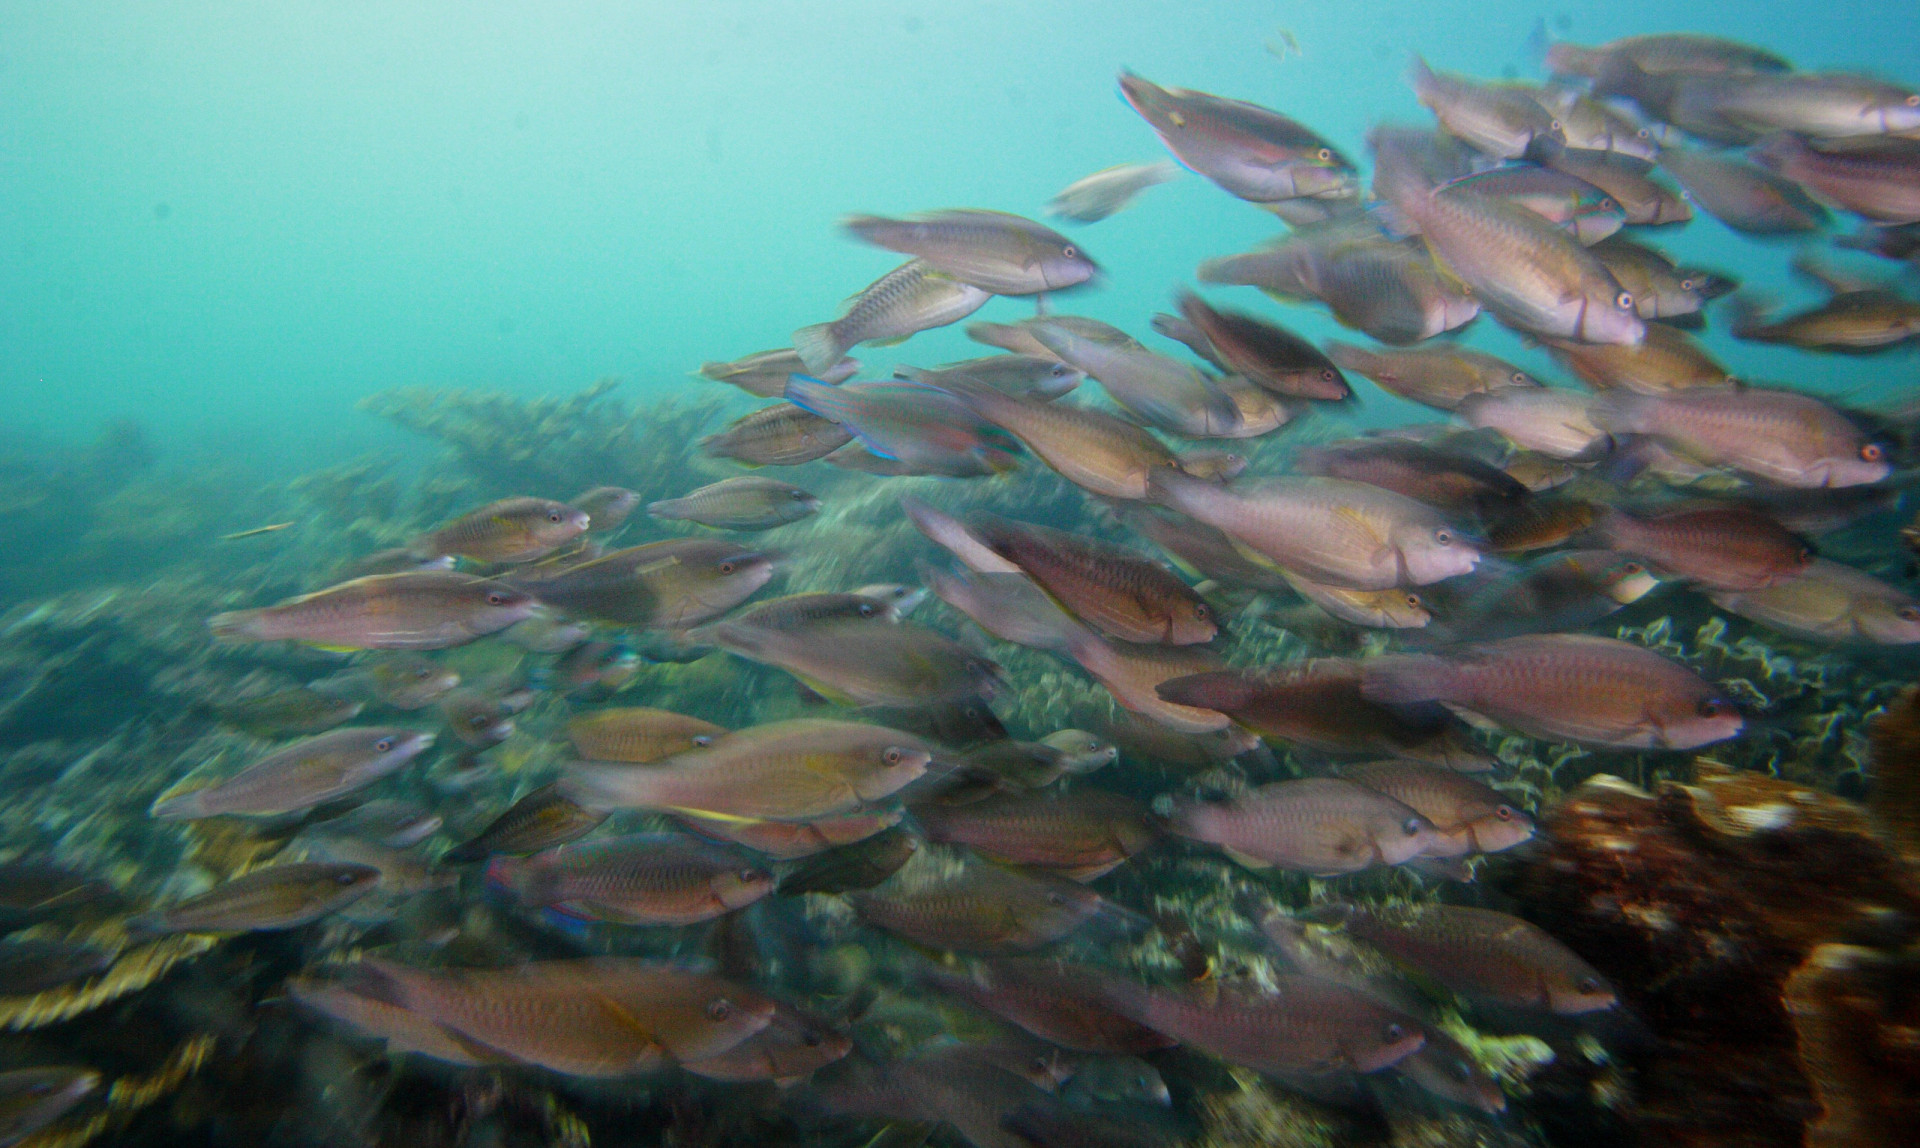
<point x="229" y="221"/>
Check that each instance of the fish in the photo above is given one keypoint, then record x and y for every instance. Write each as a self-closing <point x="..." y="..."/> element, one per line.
<point x="425" y="610"/>
<point x="980" y="909"/>
<point x="1452" y="483"/>
<point x="1082" y="834"/>
<point x="792" y="1047"/>
<point x="1026" y="765"/>
<point x="32" y="1098"/>
<point x="1498" y="121"/>
<point x="1853" y="322"/>
<point x="1203" y="551"/>
<point x="31" y="889"/>
<point x="1390" y="290"/>
<point x="1742" y="195"/>
<point x="915" y="296"/>
<point x="298" y="710"/>
<point x="1039" y="377"/>
<point x="1094" y="450"/>
<point x="669" y="585"/>
<point x="1163" y="392"/>
<point x="1530" y="274"/>
<point x="1878" y="179"/>
<point x="1054" y="1001"/>
<point x="746" y="503"/>
<point x="1301" y="1025"/>
<point x="1093" y="198"/>
<point x="477" y="718"/>
<point x="1132" y="674"/>
<point x="1445" y="1068"/>
<point x="302" y="775"/>
<point x="1266" y="355"/>
<point x="510" y="530"/>
<point x="764" y="375"/>
<point x="921" y="426"/>
<point x="1328" y="530"/>
<point x="1007" y="604"/>
<point x="638" y="734"/>
<point x="1438" y="377"/>
<point x="1141" y="739"/>
<point x="397" y="824"/>
<point x="1392" y="609"/>
<point x="271" y="528"/>
<point x="1317" y="825"/>
<point x="1643" y="200"/>
<point x="1467" y="816"/>
<point x="1566" y="201"/>
<point x="778" y="435"/>
<point x="1565" y="687"/>
<point x="1820" y="105"/>
<point x="1661" y="287"/>
<point x="403" y="680"/>
<point x="273" y="897"/>
<point x="30" y="965"/>
<point x="1782" y="436"/>
<point x="798" y="770"/>
<point x="1592" y="125"/>
<point x="1564" y="590"/>
<point x="951" y="1085"/>
<point x="403" y="873"/>
<point x="992" y="250"/>
<point x="1665" y="53"/>
<point x="1555" y="422"/>
<point x="594" y="670"/>
<point x="1117" y="591"/>
<point x="1668" y="360"/>
<point x="1247" y="150"/>
<point x="542" y="819"/>
<point x="1482" y="955"/>
<point x="857" y="662"/>
<point x="1718" y="547"/>
<point x="637" y="879"/>
<point x="850" y="866"/>
<point x="1187" y="335"/>
<point x="1829" y="601"/>
<point x="396" y="560"/>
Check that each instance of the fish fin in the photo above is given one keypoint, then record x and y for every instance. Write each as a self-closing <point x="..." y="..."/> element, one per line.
<point x="1691" y="321"/>
<point x="1444" y="868"/>
<point x="1247" y="859"/>
<point x="332" y="649"/>
<point x="713" y="815"/>
<point x="826" y="692"/>
<point x="895" y="341"/>
<point x="818" y="347"/>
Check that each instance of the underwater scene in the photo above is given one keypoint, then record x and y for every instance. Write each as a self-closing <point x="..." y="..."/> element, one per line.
<point x="865" y="575"/>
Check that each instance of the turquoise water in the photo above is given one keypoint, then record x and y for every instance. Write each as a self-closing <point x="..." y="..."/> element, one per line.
<point x="230" y="221"/>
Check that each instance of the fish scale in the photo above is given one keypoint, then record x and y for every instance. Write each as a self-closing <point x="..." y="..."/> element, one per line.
<point x="1119" y="592"/>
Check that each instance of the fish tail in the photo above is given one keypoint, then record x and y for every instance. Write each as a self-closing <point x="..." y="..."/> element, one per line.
<point x="1420" y="76"/>
<point x="819" y="347"/>
<point x="667" y="508"/>
<point x="1748" y="320"/>
<point x="236" y="626"/>
<point x="180" y="806"/>
<point x="1406" y="679"/>
<point x="1351" y="357"/>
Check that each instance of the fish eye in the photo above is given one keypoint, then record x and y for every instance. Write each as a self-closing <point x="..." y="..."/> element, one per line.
<point x="799" y="496"/>
<point x="1912" y="101"/>
<point x="383" y="745"/>
<point x="1687" y="284"/>
<point x="1461" y="1071"/>
<point x="1414" y="601"/>
<point x="1607" y="203"/>
<point x="1872" y="452"/>
<point x="893" y="756"/>
<point x="1504" y="812"/>
<point x="703" y="740"/>
<point x="1643" y="134"/>
<point x="1623" y="300"/>
<point x="496" y="598"/>
<point x="1325" y="155"/>
<point x="1412" y="826"/>
<point x="1588" y="985"/>
<point x="345" y="878"/>
<point x="865" y="609"/>
<point x="553" y="516"/>
<point x="719" y="1008"/>
<point x="1070" y="251"/>
<point x="1327" y="374"/>
<point x="1910" y="613"/>
<point x="726" y="568"/>
<point x="749" y="875"/>
<point x="1443" y="537"/>
<point x="811" y="1039"/>
<point x="1200" y="610"/>
<point x="1056" y="899"/>
<point x="1631" y="568"/>
<point x="1519" y="378"/>
<point x="1712" y="707"/>
<point x="1554" y="125"/>
<point x="1393" y="1031"/>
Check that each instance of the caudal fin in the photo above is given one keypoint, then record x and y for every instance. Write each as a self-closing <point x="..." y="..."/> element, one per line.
<point x="235" y="626"/>
<point x="819" y="347"/>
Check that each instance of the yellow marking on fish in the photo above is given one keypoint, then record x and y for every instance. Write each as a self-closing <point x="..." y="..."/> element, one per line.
<point x="256" y="531"/>
<point x="656" y="567"/>
<point x="714" y="815"/>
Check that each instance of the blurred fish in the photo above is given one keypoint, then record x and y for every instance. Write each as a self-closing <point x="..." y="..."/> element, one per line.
<point x="1249" y="151"/>
<point x="1007" y="604"/>
<point x="1327" y="529"/>
<point x="1717" y="547"/>
<point x="857" y="662"/>
<point x="1452" y="483"/>
<point x="1132" y="674"/>
<point x="403" y="873"/>
<point x="1445" y="1068"/>
<point x="1591" y="125"/>
<point x="32" y="1098"/>
<point x="779" y="435"/>
<point x="606" y="507"/>
<point x="1662" y="289"/>
<point x="1467" y="817"/>
<point x="1566" y="201"/>
<point x="1853" y="322"/>
<point x="1322" y="826"/>
<point x="1822" y="510"/>
<point x="1300" y="1025"/>
<point x="849" y="867"/>
<point x="1739" y="108"/>
<point x="1052" y="1001"/>
<point x="31" y="965"/>
<point x="1742" y="196"/>
<point x="991" y="250"/>
<point x="748" y="503"/>
<point x="396" y="560"/>
<point x="1040" y="377"/>
<point x="397" y="824"/>
<point x="273" y="528"/>
<point x="981" y="909"/>
<point x="764" y="375"/>
<point x="1541" y="524"/>
<point x="1081" y="834"/>
<point x="1269" y="356"/>
<point x="1163" y="392"/>
<point x="594" y="670"/>
<point x="915" y="296"/>
<point x="1565" y="687"/>
<point x="542" y="819"/>
<point x="273" y="897"/>
<point x="1142" y="740"/>
<point x="1502" y="122"/>
<point x="303" y="775"/>
<point x="1091" y="449"/>
<point x="1830" y="602"/>
<point x="428" y="610"/>
<point x="1026" y="765"/>
<point x="1628" y="180"/>
<point x="950" y="1085"/>
<point x="510" y="530"/>
<point x="661" y="585"/>
<point x="1557" y="423"/>
<point x="546" y="634"/>
<point x="405" y="681"/>
<point x="788" y="840"/>
<point x="1109" y="190"/>
<point x="477" y="718"/>
<point x="1388" y="289"/>
<point x="1439" y="377"/>
<point x="31" y="889"/>
<point x="1781" y="436"/>
<point x="638" y="734"/>
<point x="1391" y="609"/>
<point x="790" y="1048"/>
<point x="1668" y="360"/>
<point x="639" y="879"/>
<point x="1565" y="590"/>
<point x="291" y="711"/>
<point x="1116" y="590"/>
<point x="1529" y="273"/>
<point x="1664" y="54"/>
<point x="797" y="770"/>
<point x="1482" y="955"/>
<point x="1180" y="331"/>
<point x="1878" y="179"/>
<point x="1203" y="550"/>
<point x="922" y="426"/>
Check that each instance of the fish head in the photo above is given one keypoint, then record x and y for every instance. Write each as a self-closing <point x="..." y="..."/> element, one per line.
<point x="1056" y="379"/>
<point x="1897" y="113"/>
<point x="1431" y="553"/>
<point x="1889" y="623"/>
<point x="1610" y="316"/>
<point x="892" y="768"/>
<point x="1401" y="838"/>
<point x="1505" y="827"/>
<point x="1081" y="752"/>
<point x="1381" y="1040"/>
<point x="1870" y="462"/>
<point x="1627" y="581"/>
<point x="1403" y="609"/>
<point x="1448" y="1071"/>
<point x="412" y="682"/>
<point x="1702" y="719"/>
<point x="1578" y="989"/>
<point x="1705" y="285"/>
<point x="737" y="888"/>
<point x="1191" y="622"/>
<point x="400" y="745"/>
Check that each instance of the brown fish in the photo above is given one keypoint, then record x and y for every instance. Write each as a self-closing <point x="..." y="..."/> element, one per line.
<point x="1117" y="591"/>
<point x="1661" y="287"/>
<point x="779" y="435"/>
<point x="1132" y="674"/>
<point x="404" y="680"/>
<point x="1742" y="196"/>
<point x="1781" y="436"/>
<point x="1393" y="291"/>
<point x="1878" y="178"/>
<point x="993" y="250"/>
<point x="1091" y="449"/>
<point x="1317" y="825"/>
<point x="1082" y="834"/>
<point x="1437" y="377"/>
<point x="1303" y="1025"/>
<point x="1627" y="181"/>
<point x="1483" y="955"/>
<point x="1316" y="704"/>
<point x="510" y="530"/>
<point x="1719" y="547"/>
<point x="1668" y="360"/>
<point x="662" y="585"/>
<point x="1041" y="377"/>
<point x="1540" y="524"/>
<point x="426" y="610"/>
<point x="606" y="507"/>
<point x="792" y="1046"/>
<point x="1055" y="1002"/>
<point x="638" y="734"/>
<point x="788" y="840"/>
<point x="303" y="775"/>
<point x="855" y="865"/>
<point x="1143" y="740"/>
<point x="1249" y="151"/>
<point x="1854" y="322"/>
<point x="1831" y="602"/>
<point x="1665" y="53"/>
<point x="861" y="662"/>
<point x="981" y="909"/>
<point x="542" y="819"/>
<point x="914" y="297"/>
<point x="274" y="897"/>
<point x="764" y="375"/>
<point x="291" y="711"/>
<point x="745" y="503"/>
<point x="1267" y="355"/>
<point x="640" y="879"/>
<point x="1467" y="816"/>
<point x="1496" y="120"/>
<point x="1454" y="483"/>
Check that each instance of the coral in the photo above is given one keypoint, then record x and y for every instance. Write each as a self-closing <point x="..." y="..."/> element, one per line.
<point x="1856" y="1013"/>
